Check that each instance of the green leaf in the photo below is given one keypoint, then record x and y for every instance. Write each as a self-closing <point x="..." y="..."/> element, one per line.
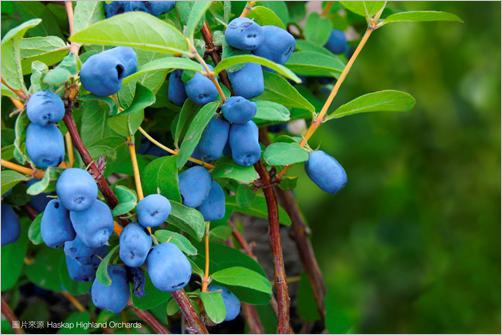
<point x="179" y="240"/>
<point x="127" y="200"/>
<point x="187" y="219"/>
<point x="162" y="174"/>
<point x="188" y="111"/>
<point x="278" y="7"/>
<point x="94" y="120"/>
<point x="363" y="8"/>
<point x="317" y="29"/>
<point x="302" y="45"/>
<point x="194" y="132"/>
<point x="38" y="72"/>
<point x="380" y="101"/>
<point x="10" y="179"/>
<point x="165" y="63"/>
<point x="152" y="296"/>
<point x="243" y="277"/>
<point x="228" y="62"/>
<point x="283" y="154"/>
<point x="142" y="99"/>
<point x="107" y="146"/>
<point x="278" y="89"/>
<point x="19" y="141"/>
<point x="87" y="13"/>
<point x="78" y="322"/>
<point x="102" y="273"/>
<point x="258" y="208"/>
<point x="51" y="174"/>
<point x="11" y="54"/>
<point x="268" y="111"/>
<point x="48" y="49"/>
<point x="62" y="73"/>
<point x="197" y="14"/>
<point x="265" y="17"/>
<point x="421" y="16"/>
<point x="134" y="29"/>
<point x="309" y="63"/>
<point x="34" y="233"/>
<point x="214" y="306"/>
<point x="13" y="258"/>
<point x="244" y="196"/>
<point x="44" y="270"/>
<point x="226" y="168"/>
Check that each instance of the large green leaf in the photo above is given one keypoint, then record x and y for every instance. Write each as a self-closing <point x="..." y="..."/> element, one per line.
<point x="380" y="101"/>
<point x="179" y="240"/>
<point x="363" y="8"/>
<point x="137" y="30"/>
<point x="13" y="258"/>
<point x="197" y="14"/>
<point x="194" y="132"/>
<point x="48" y="49"/>
<point x="187" y="219"/>
<point x="44" y="270"/>
<point x="102" y="274"/>
<point x="87" y="13"/>
<point x="242" y="59"/>
<point x="243" y="277"/>
<point x="311" y="63"/>
<point x="278" y="7"/>
<point x="265" y="17"/>
<point x="226" y="168"/>
<point x="214" y="306"/>
<point x="162" y="174"/>
<point x="165" y="63"/>
<point x="12" y="71"/>
<point x="51" y="174"/>
<point x="127" y="200"/>
<point x="10" y="179"/>
<point x="421" y="16"/>
<point x="268" y="111"/>
<point x="188" y="110"/>
<point x="282" y="154"/>
<point x="278" y="89"/>
<point x="317" y="29"/>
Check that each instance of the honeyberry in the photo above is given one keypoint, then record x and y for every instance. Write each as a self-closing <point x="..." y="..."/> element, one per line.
<point x="113" y="297"/>
<point x="168" y="268"/>
<point x="45" y="107"/>
<point x="200" y="89"/>
<point x="238" y="110"/>
<point x="102" y="73"/>
<point x="278" y="44"/>
<point x="44" y="145"/>
<point x="10" y="225"/>
<point x="232" y="303"/>
<point x="248" y="81"/>
<point x="83" y="254"/>
<point x="325" y="171"/>
<point x="76" y="189"/>
<point x="161" y="7"/>
<point x="56" y="227"/>
<point x="176" y="90"/>
<point x="153" y="7"/>
<point x="337" y="42"/>
<point x="244" y="143"/>
<point x="134" y="245"/>
<point x="195" y="184"/>
<point x="93" y="225"/>
<point x="213" y="207"/>
<point x="213" y="140"/>
<point x="244" y="34"/>
<point x="153" y="210"/>
<point x="80" y="271"/>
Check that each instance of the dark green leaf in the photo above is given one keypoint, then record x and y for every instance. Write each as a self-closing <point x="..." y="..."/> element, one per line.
<point x="10" y="179"/>
<point x="244" y="196"/>
<point x="179" y="240"/>
<point x="127" y="200"/>
<point x="161" y="174"/>
<point x="188" y="111"/>
<point x="34" y="233"/>
<point x="13" y="258"/>
<point x="214" y="306"/>
<point x="317" y="29"/>
<point x="44" y="270"/>
<point x="283" y="154"/>
<point x="102" y="273"/>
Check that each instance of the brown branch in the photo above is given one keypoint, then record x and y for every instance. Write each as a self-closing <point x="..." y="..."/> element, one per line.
<point x="9" y="315"/>
<point x="103" y="186"/>
<point x="194" y="322"/>
<point x="281" y="285"/>
<point x="156" y="326"/>
<point x="253" y="319"/>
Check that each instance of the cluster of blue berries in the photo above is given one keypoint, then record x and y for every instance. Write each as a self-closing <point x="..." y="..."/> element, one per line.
<point x="44" y="141"/>
<point x="153" y="7"/>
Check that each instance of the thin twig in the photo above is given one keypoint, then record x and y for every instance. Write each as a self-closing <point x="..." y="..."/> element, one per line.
<point x="156" y="326"/>
<point x="73" y="301"/>
<point x="135" y="167"/>
<point x="69" y="149"/>
<point x="327" y="8"/>
<point x="205" y="279"/>
<point x="39" y="174"/>
<point x="253" y="319"/>
<point x="74" y="47"/>
<point x="247" y="9"/>
<point x="9" y="315"/>
<point x="193" y="321"/>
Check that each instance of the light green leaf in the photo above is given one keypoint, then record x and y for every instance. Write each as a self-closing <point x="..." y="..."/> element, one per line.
<point x="242" y="59"/>
<point x="137" y="30"/>
<point x="166" y="63"/>
<point x="278" y="89"/>
<point x="187" y="219"/>
<point x="243" y="277"/>
<point x="421" y="16"/>
<point x="38" y="72"/>
<point x="268" y="111"/>
<point x="226" y="168"/>
<point x="214" y="306"/>
<point x="278" y="7"/>
<point x="51" y="174"/>
<point x="317" y="29"/>
<point x="363" y="8"/>
<point x="310" y="63"/>
<point x="162" y="174"/>
<point x="34" y="233"/>
<point x="19" y="142"/>
<point x="48" y="49"/>
<point x="265" y="16"/>
<point x="87" y="13"/>
<point x="179" y="240"/>
<point x="10" y="179"/>
<point x="282" y="154"/>
<point x="197" y="14"/>
<point x="302" y="45"/>
<point x="380" y="101"/>
<point x="62" y="72"/>
<point x="194" y="132"/>
<point x="102" y="273"/>
<point x="127" y="200"/>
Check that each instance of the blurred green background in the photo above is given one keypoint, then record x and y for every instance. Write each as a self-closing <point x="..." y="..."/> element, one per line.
<point x="412" y="244"/>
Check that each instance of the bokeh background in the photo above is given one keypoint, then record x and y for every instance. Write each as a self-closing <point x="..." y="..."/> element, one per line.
<point x="412" y="244"/>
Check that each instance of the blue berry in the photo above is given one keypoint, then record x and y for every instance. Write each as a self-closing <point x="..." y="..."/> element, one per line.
<point x="278" y="44"/>
<point x="195" y="184"/>
<point x="248" y="81"/>
<point x="168" y="268"/>
<point x="325" y="172"/>
<point x="44" y="108"/>
<point x="10" y="225"/>
<point x="80" y="252"/>
<point x="56" y="227"/>
<point x="244" y="143"/>
<point x="238" y="110"/>
<point x="213" y="208"/>
<point x="201" y="90"/>
<point x="44" y="145"/>
<point x="80" y="271"/>
<point x="213" y="140"/>
<point x="76" y="189"/>
<point x="93" y="225"/>
<point x="134" y="244"/>
<point x="337" y="42"/>
<point x="153" y="210"/>
<point x="232" y="303"/>
<point x="244" y="34"/>
<point x="115" y="296"/>
<point x="176" y="90"/>
<point x="161" y="7"/>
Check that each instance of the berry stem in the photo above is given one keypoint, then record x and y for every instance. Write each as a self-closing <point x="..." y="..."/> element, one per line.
<point x="9" y="315"/>
<point x="135" y="167"/>
<point x="74" y="48"/>
<point x="247" y="9"/>
<point x="205" y="280"/>
<point x="194" y="322"/>
<point x="327" y="8"/>
<point x="69" y="149"/>
<point x="23" y="169"/>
